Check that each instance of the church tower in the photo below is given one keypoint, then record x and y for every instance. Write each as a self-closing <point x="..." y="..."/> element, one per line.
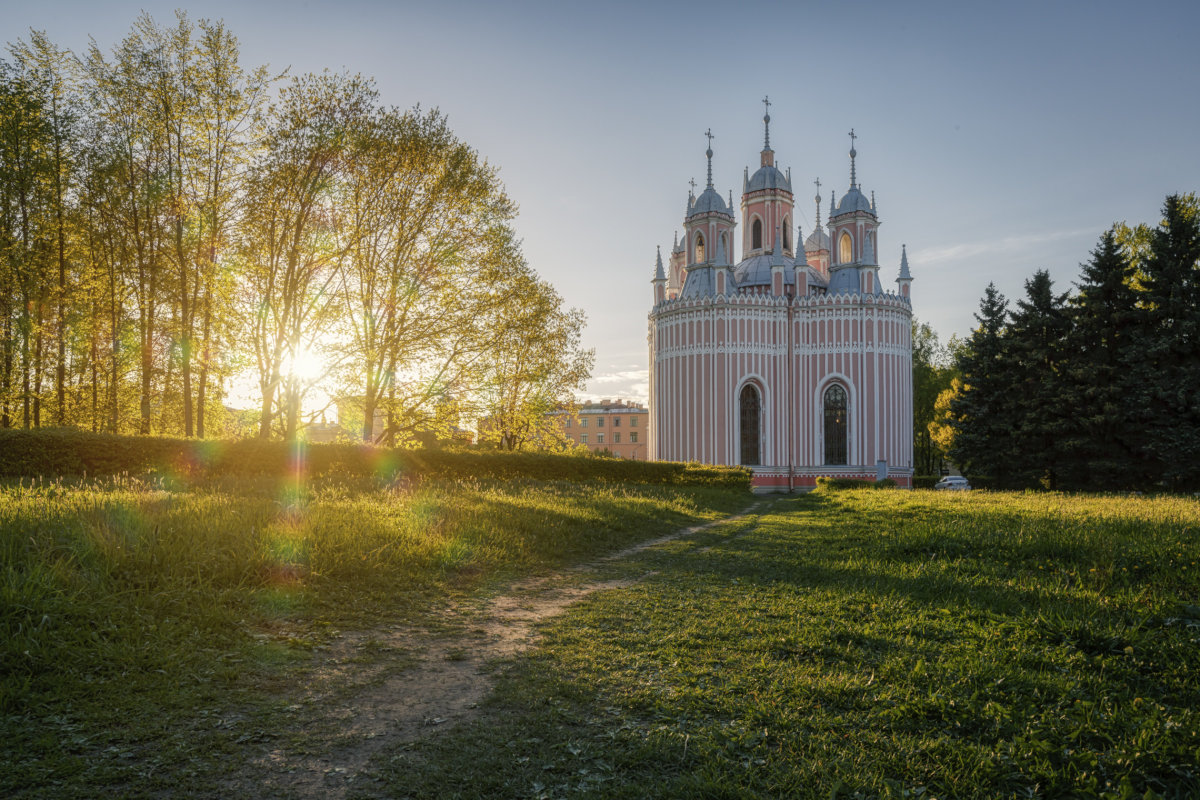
<point x="853" y="265"/>
<point x="708" y="239"/>
<point x="767" y="202"/>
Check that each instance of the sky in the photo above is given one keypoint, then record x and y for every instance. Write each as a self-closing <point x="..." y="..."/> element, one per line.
<point x="999" y="138"/>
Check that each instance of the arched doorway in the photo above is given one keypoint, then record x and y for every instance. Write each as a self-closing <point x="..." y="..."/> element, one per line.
<point x="750" y="414"/>
<point x="835" y="425"/>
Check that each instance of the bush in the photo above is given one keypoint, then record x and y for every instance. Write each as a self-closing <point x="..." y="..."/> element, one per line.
<point x="839" y="484"/>
<point x="53" y="453"/>
<point x="925" y="481"/>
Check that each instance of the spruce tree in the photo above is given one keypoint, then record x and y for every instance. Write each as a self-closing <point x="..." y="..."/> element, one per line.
<point x="981" y="413"/>
<point x="1097" y="451"/>
<point x="1033" y="354"/>
<point x="1167" y="396"/>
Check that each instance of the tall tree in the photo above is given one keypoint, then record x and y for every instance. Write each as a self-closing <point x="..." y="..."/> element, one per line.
<point x="1034" y="346"/>
<point x="1168" y="371"/>
<point x="289" y="250"/>
<point x="981" y="413"/>
<point x="932" y="373"/>
<point x="1098" y="361"/>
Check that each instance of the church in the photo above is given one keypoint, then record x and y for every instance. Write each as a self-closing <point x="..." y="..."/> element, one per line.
<point x="794" y="361"/>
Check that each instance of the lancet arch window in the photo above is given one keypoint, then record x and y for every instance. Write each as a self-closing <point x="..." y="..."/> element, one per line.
<point x="836" y="424"/>
<point x="756" y="235"/>
<point x="787" y="242"/>
<point x="845" y="249"/>
<point x="750" y="418"/>
<point x="699" y="248"/>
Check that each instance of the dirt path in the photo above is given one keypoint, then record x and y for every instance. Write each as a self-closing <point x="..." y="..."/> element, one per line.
<point x="382" y="688"/>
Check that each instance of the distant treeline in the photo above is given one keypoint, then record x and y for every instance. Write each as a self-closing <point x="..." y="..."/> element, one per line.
<point x="169" y="219"/>
<point x="1095" y="390"/>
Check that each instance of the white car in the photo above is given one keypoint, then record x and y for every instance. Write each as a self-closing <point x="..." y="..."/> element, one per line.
<point x="954" y="482"/>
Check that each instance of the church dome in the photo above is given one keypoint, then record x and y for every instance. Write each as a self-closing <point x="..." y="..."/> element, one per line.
<point x="756" y="270"/>
<point x="708" y="202"/>
<point x="852" y="201"/>
<point x="817" y="240"/>
<point x="768" y="177"/>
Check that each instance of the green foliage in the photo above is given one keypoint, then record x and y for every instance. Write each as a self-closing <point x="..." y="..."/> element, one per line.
<point x="55" y="453"/>
<point x="1098" y="392"/>
<point x="878" y="644"/>
<point x="826" y="484"/>
<point x="925" y="481"/>
<point x="933" y="370"/>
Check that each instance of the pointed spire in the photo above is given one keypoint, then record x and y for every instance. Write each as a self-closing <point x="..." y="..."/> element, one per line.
<point x="767" y="123"/>
<point x="832" y="203"/>
<point x="708" y="153"/>
<point x="745" y="179"/>
<point x="659" y="275"/>
<point x="731" y="201"/>
<point x="905" y="275"/>
<point x="817" y="218"/>
<point x="853" y="153"/>
<point x="801" y="256"/>
<point x="872" y="199"/>
<point x="675" y="244"/>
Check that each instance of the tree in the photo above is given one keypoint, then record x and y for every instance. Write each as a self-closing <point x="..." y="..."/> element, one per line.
<point x="535" y="364"/>
<point x="981" y="413"/>
<point x="290" y="254"/>
<point x="932" y="373"/>
<point x="425" y="230"/>
<point x="1167" y="376"/>
<point x="1039" y="415"/>
<point x="1098" y="360"/>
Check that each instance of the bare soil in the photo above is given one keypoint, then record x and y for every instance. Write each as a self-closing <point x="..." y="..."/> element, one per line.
<point x="377" y="689"/>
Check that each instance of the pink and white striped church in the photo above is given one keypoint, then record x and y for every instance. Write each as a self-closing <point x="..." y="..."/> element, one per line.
<point x="793" y="361"/>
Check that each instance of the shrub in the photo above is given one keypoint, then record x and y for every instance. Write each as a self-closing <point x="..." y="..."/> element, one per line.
<point x="925" y="481"/>
<point x="53" y="453"/>
<point x="839" y="484"/>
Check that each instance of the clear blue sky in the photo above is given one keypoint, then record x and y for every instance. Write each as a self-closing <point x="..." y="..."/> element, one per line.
<point x="998" y="138"/>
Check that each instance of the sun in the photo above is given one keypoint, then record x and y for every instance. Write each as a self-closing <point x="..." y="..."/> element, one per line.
<point x="306" y="366"/>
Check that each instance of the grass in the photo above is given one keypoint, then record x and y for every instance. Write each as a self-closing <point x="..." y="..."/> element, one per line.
<point x="148" y="634"/>
<point x="864" y="645"/>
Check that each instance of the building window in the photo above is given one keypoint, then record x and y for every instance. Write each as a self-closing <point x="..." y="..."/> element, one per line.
<point x="567" y="424"/>
<point x="786" y="226"/>
<point x="633" y="421"/>
<point x="583" y="438"/>
<point x="616" y="438"/>
<point x="756" y="235"/>
<point x="835" y="425"/>
<point x="699" y="249"/>
<point x="599" y="438"/>
<point x="633" y="437"/>
<point x="750" y="413"/>
<point x="616" y="422"/>
<point x="845" y="249"/>
<point x="583" y="422"/>
<point x="599" y="422"/>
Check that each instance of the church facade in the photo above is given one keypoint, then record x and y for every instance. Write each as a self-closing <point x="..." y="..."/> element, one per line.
<point x="795" y="360"/>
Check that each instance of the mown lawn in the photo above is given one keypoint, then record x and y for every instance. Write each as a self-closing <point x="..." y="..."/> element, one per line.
<point x="864" y="644"/>
<point x="147" y="632"/>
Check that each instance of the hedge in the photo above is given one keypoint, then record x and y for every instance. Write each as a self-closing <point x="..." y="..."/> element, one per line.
<point x="57" y="452"/>
<point x="837" y="484"/>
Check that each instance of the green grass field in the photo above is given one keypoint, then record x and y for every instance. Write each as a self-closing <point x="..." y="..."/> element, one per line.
<point x="841" y="644"/>
<point x="136" y="621"/>
<point x="865" y="644"/>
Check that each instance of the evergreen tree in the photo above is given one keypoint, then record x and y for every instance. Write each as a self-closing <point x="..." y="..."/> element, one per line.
<point x="981" y="414"/>
<point x="1033" y="351"/>
<point x="1166" y="400"/>
<point x="1096" y="452"/>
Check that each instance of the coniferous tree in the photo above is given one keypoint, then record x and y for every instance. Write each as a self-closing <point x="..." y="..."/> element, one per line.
<point x="981" y="413"/>
<point x="1096" y="451"/>
<point x="1034" y="345"/>
<point x="1166" y="398"/>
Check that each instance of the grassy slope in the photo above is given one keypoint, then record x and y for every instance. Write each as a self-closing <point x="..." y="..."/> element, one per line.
<point x="146" y="634"/>
<point x="866" y="644"/>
